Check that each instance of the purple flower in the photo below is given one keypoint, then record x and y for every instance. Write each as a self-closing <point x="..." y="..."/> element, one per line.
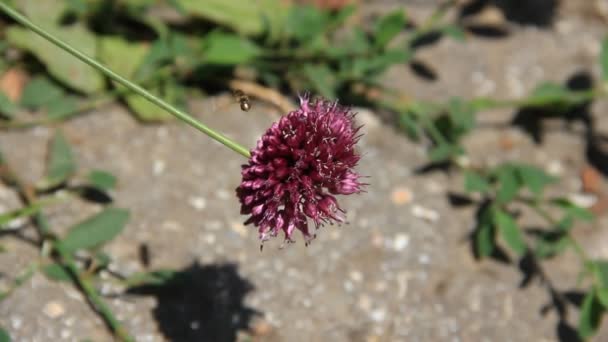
<point x="296" y="168"/>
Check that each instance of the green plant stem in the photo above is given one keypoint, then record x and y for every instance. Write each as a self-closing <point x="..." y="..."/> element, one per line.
<point x="20" y="280"/>
<point x="29" y="210"/>
<point x="578" y="249"/>
<point x="67" y="261"/>
<point x="128" y="84"/>
<point x="89" y="290"/>
<point x="106" y="98"/>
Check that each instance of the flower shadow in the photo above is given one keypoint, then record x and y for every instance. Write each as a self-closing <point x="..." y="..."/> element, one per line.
<point x="201" y="303"/>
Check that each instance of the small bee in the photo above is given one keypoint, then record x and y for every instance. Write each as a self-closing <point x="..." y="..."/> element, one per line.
<point x="243" y="99"/>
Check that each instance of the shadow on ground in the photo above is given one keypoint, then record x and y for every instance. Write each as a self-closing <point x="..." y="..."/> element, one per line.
<point x="201" y="303"/>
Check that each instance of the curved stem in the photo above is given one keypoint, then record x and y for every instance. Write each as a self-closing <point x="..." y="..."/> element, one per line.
<point x="128" y="84"/>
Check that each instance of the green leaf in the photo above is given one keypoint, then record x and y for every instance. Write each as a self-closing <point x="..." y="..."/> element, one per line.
<point x="565" y="224"/>
<point x="4" y="336"/>
<point x="153" y="278"/>
<point x="120" y="55"/>
<point x="533" y="178"/>
<point x="160" y="52"/>
<point x="444" y="152"/>
<point x="7" y="107"/>
<point x="388" y="28"/>
<point x="409" y="125"/>
<point x="228" y="49"/>
<point x="95" y="230"/>
<point x="101" y="179"/>
<point x="61" y="164"/>
<point x="604" y="59"/>
<point x="47" y="12"/>
<point x="573" y="210"/>
<point x="484" y="234"/>
<point x="40" y="91"/>
<point x="590" y="316"/>
<point x="372" y="66"/>
<point x="601" y="275"/>
<point x="508" y="183"/>
<point x="510" y="232"/>
<point x="462" y="117"/>
<point x="62" y="107"/>
<point x="244" y="16"/>
<point x="601" y="272"/>
<point x="551" y="94"/>
<point x="549" y="245"/>
<point x="322" y="79"/>
<point x="475" y="182"/>
<point x="146" y="110"/>
<point x="112" y="52"/>
<point x="484" y="240"/>
<point x="305" y="23"/>
<point x="62" y="65"/>
<point x="56" y="272"/>
<point x="342" y="15"/>
<point x="455" y="32"/>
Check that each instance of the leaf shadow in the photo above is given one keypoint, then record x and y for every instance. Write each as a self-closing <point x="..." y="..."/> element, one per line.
<point x="531" y="119"/>
<point x="201" y="303"/>
<point x="540" y="13"/>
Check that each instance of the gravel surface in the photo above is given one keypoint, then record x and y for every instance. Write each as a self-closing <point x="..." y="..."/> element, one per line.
<point x="401" y="270"/>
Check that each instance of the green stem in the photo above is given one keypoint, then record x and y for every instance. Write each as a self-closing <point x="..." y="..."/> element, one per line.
<point x="89" y="290"/>
<point x="128" y="84"/>
<point x="20" y="280"/>
<point x="578" y="249"/>
<point x="67" y="260"/>
<point x="28" y="211"/>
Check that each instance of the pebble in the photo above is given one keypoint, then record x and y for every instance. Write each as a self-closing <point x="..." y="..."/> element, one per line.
<point x="171" y="226"/>
<point x="198" y="203"/>
<point x="364" y="303"/>
<point x="424" y="213"/>
<point x="378" y="315"/>
<point x="555" y="168"/>
<point x="222" y="194"/>
<point x="239" y="228"/>
<point x="53" y="309"/>
<point x="356" y="276"/>
<point x="400" y="242"/>
<point x="402" y="196"/>
<point x="583" y="200"/>
<point x="158" y="167"/>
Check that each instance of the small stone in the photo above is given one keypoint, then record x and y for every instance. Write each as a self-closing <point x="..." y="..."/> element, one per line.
<point x="380" y="286"/>
<point x="222" y="194"/>
<point x="171" y="225"/>
<point x="335" y="234"/>
<point x="377" y="240"/>
<point x="348" y="286"/>
<point x="356" y="276"/>
<point x="198" y="203"/>
<point x="425" y="213"/>
<point x="583" y="200"/>
<point x="53" y="309"/>
<point x="402" y="196"/>
<point x="209" y="239"/>
<point x="400" y="242"/>
<point x="364" y="303"/>
<point x="591" y="179"/>
<point x="239" y="228"/>
<point x="261" y="328"/>
<point x="378" y="315"/>
<point x="158" y="167"/>
<point x="555" y="168"/>
<point x="424" y="259"/>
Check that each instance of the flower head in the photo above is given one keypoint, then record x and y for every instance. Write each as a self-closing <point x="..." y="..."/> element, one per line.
<point x="298" y="165"/>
